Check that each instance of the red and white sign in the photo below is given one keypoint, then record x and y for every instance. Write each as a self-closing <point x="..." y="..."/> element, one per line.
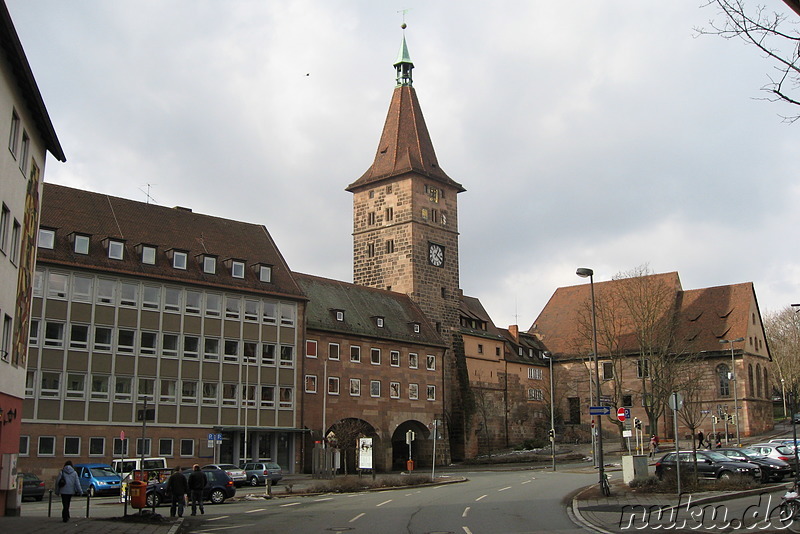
<point x="621" y="414"/>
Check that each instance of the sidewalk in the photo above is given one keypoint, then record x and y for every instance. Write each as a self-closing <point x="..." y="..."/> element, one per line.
<point x="54" y="525"/>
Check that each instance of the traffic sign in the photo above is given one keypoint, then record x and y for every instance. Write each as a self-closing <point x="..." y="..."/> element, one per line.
<point x="675" y="401"/>
<point x="621" y="415"/>
<point x="599" y="410"/>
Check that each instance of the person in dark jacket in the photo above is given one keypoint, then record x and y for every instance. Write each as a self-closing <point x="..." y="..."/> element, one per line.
<point x="197" y="481"/>
<point x="177" y="488"/>
<point x="67" y="485"/>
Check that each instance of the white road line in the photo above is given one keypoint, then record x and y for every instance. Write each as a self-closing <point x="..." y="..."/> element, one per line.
<point x="218" y="518"/>
<point x="467" y="530"/>
<point x="527" y="482"/>
<point x="481" y="497"/>
<point x="466" y="511"/>
<point x="256" y="510"/>
<point x="356" y="518"/>
<point x="224" y="528"/>
<point x="384" y="502"/>
<point x="290" y="504"/>
<point x="506" y="488"/>
<point x="324" y="499"/>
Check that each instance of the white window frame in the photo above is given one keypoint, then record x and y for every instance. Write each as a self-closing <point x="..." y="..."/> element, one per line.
<point x="42" y="439"/>
<point x="333" y="351"/>
<point x="50" y="378"/>
<point x="210" y="393"/>
<point x="81" y="244"/>
<point x="151" y="297"/>
<point x="213" y="305"/>
<point x="394" y="390"/>
<point x="355" y="357"/>
<point x="190" y="453"/>
<point x="209" y="265"/>
<point x="167" y="389"/>
<point x="430" y="362"/>
<point x="116" y="250"/>
<point x="333" y="385"/>
<point x="375" y="388"/>
<point x="123" y="396"/>
<point x="97" y="439"/>
<point x="355" y="387"/>
<point x="413" y="391"/>
<point x="16" y="234"/>
<point x="375" y="356"/>
<point x="310" y="383"/>
<point x="167" y="451"/>
<point x="394" y="358"/>
<point x="54" y="342"/>
<point x="99" y="394"/>
<point x="413" y="360"/>
<point x="267" y="399"/>
<point x="179" y="260"/>
<point x="80" y="291"/>
<point x="76" y="386"/>
<point x="311" y="348"/>
<point x="47" y="238"/>
<point x="288" y="314"/>
<point x="265" y="273"/>
<point x="24" y="450"/>
<point x="430" y="392"/>
<point x="57" y="285"/>
<point x="102" y="346"/>
<point x="148" y="255"/>
<point x="283" y="392"/>
<point x="72" y="440"/>
<point x="237" y="269"/>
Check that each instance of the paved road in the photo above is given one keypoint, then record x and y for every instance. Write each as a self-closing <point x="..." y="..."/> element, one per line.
<point x="512" y="502"/>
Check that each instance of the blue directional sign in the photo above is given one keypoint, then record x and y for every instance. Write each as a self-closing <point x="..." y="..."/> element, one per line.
<point x="599" y="410"/>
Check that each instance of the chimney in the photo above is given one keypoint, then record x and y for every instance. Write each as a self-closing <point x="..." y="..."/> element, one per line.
<point x="514" y="331"/>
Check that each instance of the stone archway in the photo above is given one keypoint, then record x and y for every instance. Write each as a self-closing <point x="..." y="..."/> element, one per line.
<point x="421" y="446"/>
<point x="344" y="434"/>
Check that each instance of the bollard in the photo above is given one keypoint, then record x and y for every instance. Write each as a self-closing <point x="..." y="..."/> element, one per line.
<point x="88" y="502"/>
<point x="49" y="502"/>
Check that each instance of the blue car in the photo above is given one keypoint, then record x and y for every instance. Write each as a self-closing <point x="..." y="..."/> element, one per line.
<point x="98" y="479"/>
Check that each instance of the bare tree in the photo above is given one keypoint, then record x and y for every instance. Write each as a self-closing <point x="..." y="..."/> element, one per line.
<point x="347" y="432"/>
<point x="782" y="329"/>
<point x="692" y="413"/>
<point x="770" y="33"/>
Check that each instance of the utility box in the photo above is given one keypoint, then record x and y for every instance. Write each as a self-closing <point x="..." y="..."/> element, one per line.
<point x="634" y="467"/>
<point x="8" y="472"/>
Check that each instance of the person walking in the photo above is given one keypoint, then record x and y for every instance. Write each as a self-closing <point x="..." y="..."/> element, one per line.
<point x="700" y="439"/>
<point x="67" y="485"/>
<point x="197" y="481"/>
<point x="177" y="488"/>
<point x="653" y="445"/>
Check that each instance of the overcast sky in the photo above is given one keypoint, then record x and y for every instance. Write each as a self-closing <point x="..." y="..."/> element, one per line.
<point x="590" y="133"/>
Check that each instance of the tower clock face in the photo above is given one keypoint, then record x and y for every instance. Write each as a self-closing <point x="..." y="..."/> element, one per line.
<point x="436" y="255"/>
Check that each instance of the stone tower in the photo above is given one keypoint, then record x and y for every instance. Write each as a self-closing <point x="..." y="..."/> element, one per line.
<point x="405" y="224"/>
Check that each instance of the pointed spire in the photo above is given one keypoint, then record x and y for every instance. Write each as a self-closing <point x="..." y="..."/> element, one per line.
<point x="403" y="65"/>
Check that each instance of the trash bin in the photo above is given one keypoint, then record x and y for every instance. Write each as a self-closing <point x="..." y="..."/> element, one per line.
<point x="138" y="492"/>
<point x="410" y="465"/>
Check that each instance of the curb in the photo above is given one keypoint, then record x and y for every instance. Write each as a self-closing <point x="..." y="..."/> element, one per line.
<point x="176" y="527"/>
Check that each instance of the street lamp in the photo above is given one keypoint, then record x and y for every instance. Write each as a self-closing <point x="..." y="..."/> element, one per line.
<point x="584" y="272"/>
<point x="735" y="384"/>
<point x="547" y="354"/>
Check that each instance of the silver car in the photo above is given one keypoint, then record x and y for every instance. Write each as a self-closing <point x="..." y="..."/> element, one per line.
<point x="238" y="475"/>
<point x="776" y="451"/>
<point x="259" y="472"/>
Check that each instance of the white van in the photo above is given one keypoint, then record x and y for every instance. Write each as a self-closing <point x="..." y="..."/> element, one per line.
<point x="124" y="466"/>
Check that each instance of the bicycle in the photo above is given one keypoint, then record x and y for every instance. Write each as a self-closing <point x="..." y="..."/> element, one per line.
<point x="605" y="488"/>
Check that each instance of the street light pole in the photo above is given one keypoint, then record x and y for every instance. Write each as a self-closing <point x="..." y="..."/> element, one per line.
<point x="549" y="356"/>
<point x="735" y="386"/>
<point x="584" y="272"/>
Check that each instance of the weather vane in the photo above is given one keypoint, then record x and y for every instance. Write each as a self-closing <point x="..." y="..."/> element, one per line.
<point x="404" y="11"/>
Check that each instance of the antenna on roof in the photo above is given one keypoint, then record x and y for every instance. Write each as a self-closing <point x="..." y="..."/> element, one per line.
<point x="147" y="194"/>
<point x="404" y="11"/>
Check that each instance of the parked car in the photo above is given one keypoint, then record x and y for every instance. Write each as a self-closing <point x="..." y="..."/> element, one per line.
<point x="259" y="472"/>
<point x="219" y="487"/>
<point x="98" y="479"/>
<point x="32" y="487"/>
<point x="771" y="468"/>
<point x="237" y="474"/>
<point x="775" y="450"/>
<point x="710" y="464"/>
<point x="124" y="466"/>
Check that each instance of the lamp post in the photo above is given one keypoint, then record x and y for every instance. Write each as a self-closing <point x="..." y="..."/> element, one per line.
<point x="584" y="272"/>
<point x="783" y="397"/>
<point x="735" y="384"/>
<point x="547" y="354"/>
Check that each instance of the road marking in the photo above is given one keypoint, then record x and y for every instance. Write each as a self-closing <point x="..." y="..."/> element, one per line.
<point x="256" y="510"/>
<point x="527" y="482"/>
<point x="467" y="530"/>
<point x="356" y="518"/>
<point x="384" y="502"/>
<point x="289" y="504"/>
<point x="218" y="518"/>
<point x="466" y="511"/>
<point x="224" y="528"/>
<point x="481" y="497"/>
<point x="324" y="499"/>
<point x="503" y="489"/>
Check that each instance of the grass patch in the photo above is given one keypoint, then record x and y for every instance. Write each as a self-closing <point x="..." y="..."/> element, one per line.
<point x="353" y="483"/>
<point x="669" y="484"/>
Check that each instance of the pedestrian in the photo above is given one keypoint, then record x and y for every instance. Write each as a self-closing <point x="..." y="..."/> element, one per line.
<point x="719" y="440"/>
<point x="197" y="482"/>
<point x="700" y="439"/>
<point x="67" y="485"/>
<point x="177" y="488"/>
<point x="653" y="445"/>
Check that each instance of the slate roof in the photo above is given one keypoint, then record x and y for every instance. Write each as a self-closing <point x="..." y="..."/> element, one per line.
<point x="471" y="308"/>
<point x="361" y="306"/>
<point x="703" y="316"/>
<point x="12" y="48"/>
<point x="405" y="145"/>
<point x="69" y="210"/>
<point x="526" y="341"/>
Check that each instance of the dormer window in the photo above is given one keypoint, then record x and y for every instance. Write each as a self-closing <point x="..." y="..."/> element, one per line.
<point x="237" y="269"/>
<point x="179" y="260"/>
<point x="379" y="322"/>
<point x="339" y="315"/>
<point x="80" y="243"/>
<point x="265" y="273"/>
<point x="209" y="264"/>
<point x="116" y="249"/>
<point x="148" y="254"/>
<point x="415" y="327"/>
<point x="47" y="238"/>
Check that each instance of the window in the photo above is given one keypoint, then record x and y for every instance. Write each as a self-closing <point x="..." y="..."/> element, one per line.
<point x="57" y="285"/>
<point x="189" y="392"/>
<point x="535" y="394"/>
<point x="355" y="354"/>
<point x="142" y="446"/>
<point x="389" y="246"/>
<point x="187" y="447"/>
<point x="167" y="392"/>
<point x="431" y="394"/>
<point x="120" y="447"/>
<point x="237" y="269"/>
<point x="76" y="387"/>
<point x="288" y="312"/>
<point x="310" y="383"/>
<point x="213" y="305"/>
<point x="5" y="342"/>
<point x="480" y="348"/>
<point x="38" y="282"/>
<point x="53" y="334"/>
<point x="209" y="265"/>
<point x="286" y="397"/>
<point x="389" y="214"/>
<point x="250" y="352"/>
<point x="82" y="288"/>
<point x="416" y="328"/>
<point x="47" y="238"/>
<point x="267" y="396"/>
<point x="191" y="346"/>
<point x="370" y="250"/>
<point x="13" y="136"/>
<point x="211" y="348"/>
<point x="333" y="385"/>
<point x="643" y="369"/>
<point x="179" y="260"/>
<point x="268" y="354"/>
<point x="102" y="339"/>
<point x="81" y="244"/>
<point x="47" y="446"/>
<point x="148" y="255"/>
<point x="534" y="373"/>
<point x="311" y="348"/>
<point x="72" y="446"/>
<point x="172" y="299"/>
<point x="394" y="358"/>
<point x="193" y="302"/>
<point x="165" y="447"/>
<point x="231" y="350"/>
<point x="16" y="232"/>
<point x="270" y="312"/>
<point x="146" y="390"/>
<point x="413" y="391"/>
<point x="355" y="387"/>
<point x="33" y="337"/>
<point x="627" y="400"/>
<point x="287" y="355"/>
<point x="394" y="390"/>
<point x="233" y="307"/>
<point x="333" y="351"/>
<point x="23" y="157"/>
<point x="106" y="291"/>
<point x="5" y="222"/>
<point x="97" y="446"/>
<point x="379" y="322"/>
<point x="251" y="310"/>
<point x="128" y="294"/>
<point x="430" y="362"/>
<point x="371" y="217"/>
<point x="116" y="250"/>
<point x="374" y="388"/>
<point x="723" y="374"/>
<point x="340" y="315"/>
<point x="229" y="394"/>
<point x="126" y="340"/>
<point x="433" y="193"/>
<point x="210" y="395"/>
<point x="169" y="345"/>
<point x="123" y="388"/>
<point x="151" y="297"/>
<point x="99" y="388"/>
<point x="51" y="382"/>
<point x="375" y="356"/>
<point x="148" y="343"/>
<point x="265" y="273"/>
<point x="413" y="360"/>
<point x="608" y="370"/>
